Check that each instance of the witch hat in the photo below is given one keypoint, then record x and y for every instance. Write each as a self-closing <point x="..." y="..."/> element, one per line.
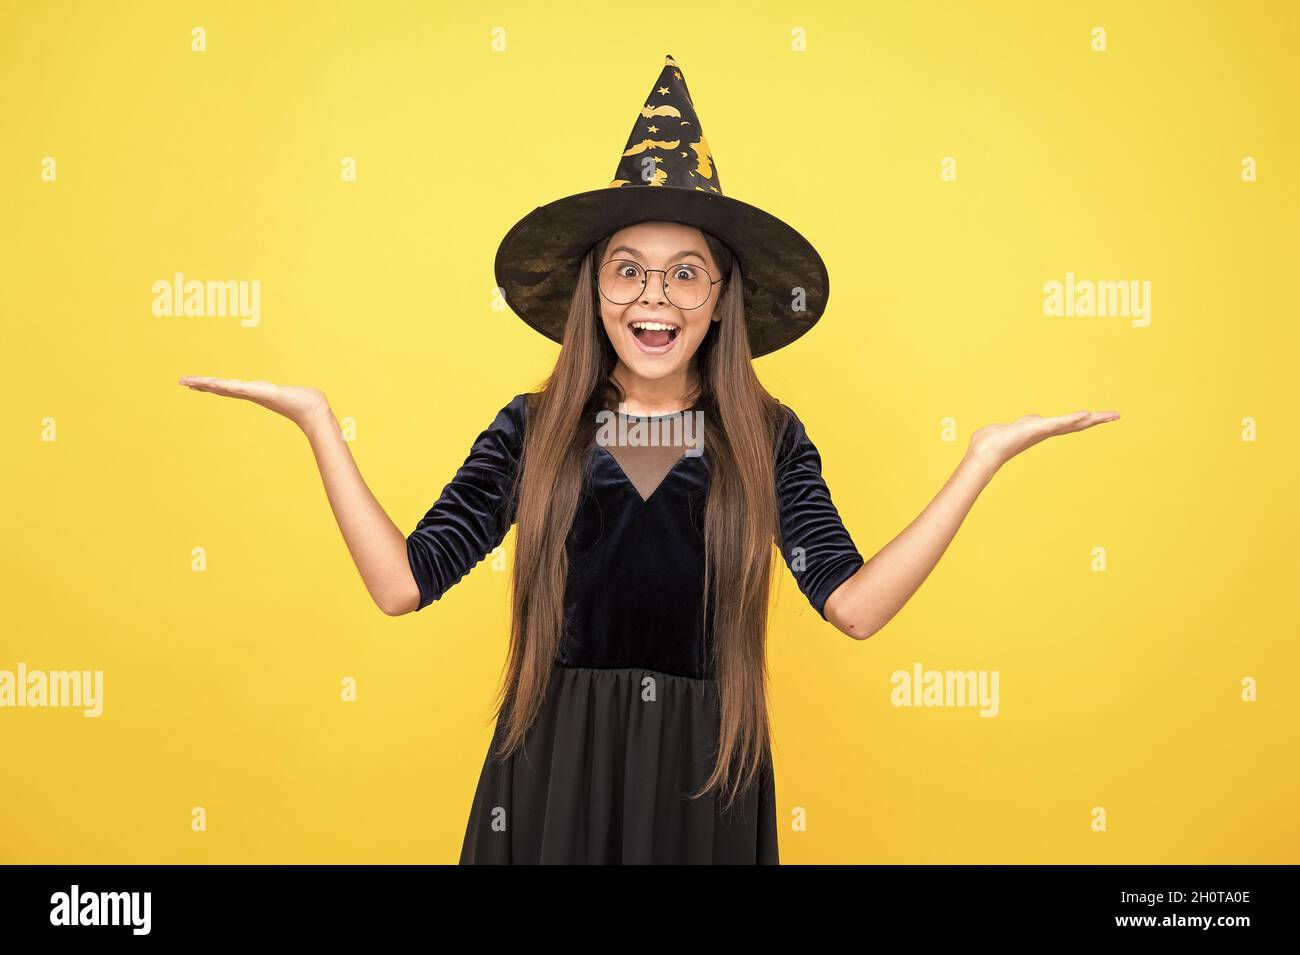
<point x="666" y="172"/>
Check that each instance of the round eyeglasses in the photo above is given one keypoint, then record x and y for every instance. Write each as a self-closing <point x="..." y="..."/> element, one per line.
<point x="686" y="286"/>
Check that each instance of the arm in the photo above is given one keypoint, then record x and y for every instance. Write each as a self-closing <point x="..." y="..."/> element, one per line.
<point x="406" y="573"/>
<point x="377" y="545"/>
<point x="869" y="599"/>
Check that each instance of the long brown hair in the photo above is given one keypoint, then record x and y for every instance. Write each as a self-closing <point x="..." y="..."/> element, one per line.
<point x="740" y="517"/>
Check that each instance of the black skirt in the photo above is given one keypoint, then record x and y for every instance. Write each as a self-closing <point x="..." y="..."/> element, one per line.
<point x="604" y="777"/>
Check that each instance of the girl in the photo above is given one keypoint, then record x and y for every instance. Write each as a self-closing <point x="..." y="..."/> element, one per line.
<point x="632" y="721"/>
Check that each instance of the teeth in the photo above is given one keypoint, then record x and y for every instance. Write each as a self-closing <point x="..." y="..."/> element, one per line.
<point x="654" y="326"/>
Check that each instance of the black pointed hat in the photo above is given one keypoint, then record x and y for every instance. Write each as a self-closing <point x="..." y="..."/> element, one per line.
<point x="666" y="172"/>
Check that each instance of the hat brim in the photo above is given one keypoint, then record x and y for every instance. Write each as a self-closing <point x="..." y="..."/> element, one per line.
<point x="785" y="282"/>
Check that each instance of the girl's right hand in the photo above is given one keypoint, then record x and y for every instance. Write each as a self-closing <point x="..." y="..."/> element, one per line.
<point x="300" y="405"/>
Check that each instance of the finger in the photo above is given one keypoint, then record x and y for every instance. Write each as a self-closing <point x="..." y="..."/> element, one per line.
<point x="1097" y="417"/>
<point x="1034" y="427"/>
<point x="258" y="391"/>
<point x="231" y="387"/>
<point x="201" y="382"/>
<point x="219" y="386"/>
<point x="1083" y="419"/>
<point x="1063" y="422"/>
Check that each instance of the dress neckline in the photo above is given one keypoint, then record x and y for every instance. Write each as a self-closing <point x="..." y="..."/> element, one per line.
<point x="655" y="417"/>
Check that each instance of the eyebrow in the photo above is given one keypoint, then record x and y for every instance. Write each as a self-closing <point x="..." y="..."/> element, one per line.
<point x="680" y="255"/>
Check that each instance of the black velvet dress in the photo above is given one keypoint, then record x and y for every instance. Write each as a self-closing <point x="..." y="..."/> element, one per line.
<point x="630" y="723"/>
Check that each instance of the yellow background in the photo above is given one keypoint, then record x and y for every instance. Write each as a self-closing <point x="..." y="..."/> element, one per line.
<point x="1118" y="689"/>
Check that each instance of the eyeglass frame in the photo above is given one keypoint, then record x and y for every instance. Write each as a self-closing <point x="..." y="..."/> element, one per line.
<point x="644" y="278"/>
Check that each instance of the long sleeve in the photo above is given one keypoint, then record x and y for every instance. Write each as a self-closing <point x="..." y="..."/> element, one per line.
<point x="814" y="541"/>
<point x="474" y="511"/>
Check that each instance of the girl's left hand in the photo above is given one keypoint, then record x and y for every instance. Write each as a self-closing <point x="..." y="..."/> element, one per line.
<point x="995" y="444"/>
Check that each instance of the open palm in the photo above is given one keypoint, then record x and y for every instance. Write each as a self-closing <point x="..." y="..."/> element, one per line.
<point x="298" y="404"/>
<point x="996" y="444"/>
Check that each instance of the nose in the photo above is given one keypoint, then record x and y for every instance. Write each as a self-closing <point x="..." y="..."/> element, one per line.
<point x="653" y="293"/>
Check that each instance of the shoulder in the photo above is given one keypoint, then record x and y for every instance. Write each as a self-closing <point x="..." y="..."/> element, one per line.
<point x="791" y="435"/>
<point x="505" y="433"/>
<point x="795" y="451"/>
<point x="515" y="412"/>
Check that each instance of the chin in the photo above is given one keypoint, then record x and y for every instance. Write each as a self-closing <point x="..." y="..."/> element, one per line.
<point x="649" y="370"/>
<point x="658" y="366"/>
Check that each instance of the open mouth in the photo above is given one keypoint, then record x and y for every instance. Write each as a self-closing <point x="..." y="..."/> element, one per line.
<point x="655" y="337"/>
